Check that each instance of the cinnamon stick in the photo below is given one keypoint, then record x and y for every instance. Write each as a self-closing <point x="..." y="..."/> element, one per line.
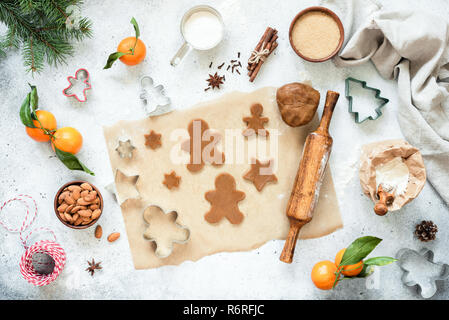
<point x="268" y="41"/>
<point x="264" y="40"/>
<point x="259" y="44"/>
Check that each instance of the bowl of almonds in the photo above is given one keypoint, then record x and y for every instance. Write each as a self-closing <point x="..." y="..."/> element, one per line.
<point x="78" y="204"/>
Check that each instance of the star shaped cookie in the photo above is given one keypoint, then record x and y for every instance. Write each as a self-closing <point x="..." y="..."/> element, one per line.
<point x="171" y="180"/>
<point x="260" y="174"/>
<point x="153" y="140"/>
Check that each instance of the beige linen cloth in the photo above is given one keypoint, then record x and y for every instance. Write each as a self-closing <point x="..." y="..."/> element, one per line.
<point x="412" y="48"/>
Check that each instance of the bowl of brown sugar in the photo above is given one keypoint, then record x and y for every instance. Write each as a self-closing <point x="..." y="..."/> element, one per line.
<point x="316" y="34"/>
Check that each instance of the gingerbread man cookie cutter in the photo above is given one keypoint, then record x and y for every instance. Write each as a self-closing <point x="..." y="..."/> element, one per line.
<point x="164" y="230"/>
<point x="420" y="270"/>
<point x="81" y="75"/>
<point x="153" y="97"/>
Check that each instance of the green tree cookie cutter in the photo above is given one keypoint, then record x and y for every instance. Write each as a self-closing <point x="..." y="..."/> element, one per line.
<point x="376" y="96"/>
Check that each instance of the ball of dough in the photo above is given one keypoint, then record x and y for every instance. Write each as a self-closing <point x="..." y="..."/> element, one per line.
<point x="297" y="103"/>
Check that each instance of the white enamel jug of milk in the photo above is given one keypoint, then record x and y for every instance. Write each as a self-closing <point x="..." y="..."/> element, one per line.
<point x="202" y="29"/>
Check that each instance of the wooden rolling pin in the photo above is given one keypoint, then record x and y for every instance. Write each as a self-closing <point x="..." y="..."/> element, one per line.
<point x="385" y="199"/>
<point x="310" y="174"/>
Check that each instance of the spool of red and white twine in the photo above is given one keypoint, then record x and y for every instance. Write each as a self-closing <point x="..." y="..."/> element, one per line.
<point x="51" y="248"/>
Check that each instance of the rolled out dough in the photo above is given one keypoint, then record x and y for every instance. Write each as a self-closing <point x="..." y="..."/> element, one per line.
<point x="264" y="212"/>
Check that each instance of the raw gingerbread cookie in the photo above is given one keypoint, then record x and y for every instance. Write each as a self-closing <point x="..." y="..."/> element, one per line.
<point x="224" y="200"/>
<point x="153" y="140"/>
<point x="202" y="146"/>
<point x="297" y="103"/>
<point x="256" y="122"/>
<point x="260" y="174"/>
<point x="171" y="180"/>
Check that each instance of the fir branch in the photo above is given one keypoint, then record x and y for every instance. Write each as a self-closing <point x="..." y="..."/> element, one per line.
<point x="27" y="6"/>
<point x="39" y="26"/>
<point x="33" y="55"/>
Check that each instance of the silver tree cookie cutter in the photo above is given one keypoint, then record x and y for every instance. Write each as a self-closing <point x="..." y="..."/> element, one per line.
<point x="420" y="270"/>
<point x="165" y="239"/>
<point x="153" y="97"/>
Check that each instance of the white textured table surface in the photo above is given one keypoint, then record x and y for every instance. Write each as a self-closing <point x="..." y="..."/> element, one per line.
<point x="29" y="167"/>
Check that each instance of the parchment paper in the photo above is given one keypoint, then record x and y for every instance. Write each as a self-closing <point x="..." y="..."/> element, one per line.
<point x="265" y="218"/>
<point x="377" y="153"/>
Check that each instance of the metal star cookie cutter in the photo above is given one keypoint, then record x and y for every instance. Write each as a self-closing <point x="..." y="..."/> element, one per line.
<point x="81" y="75"/>
<point x="164" y="247"/>
<point x="131" y="181"/>
<point x="420" y="270"/>
<point x="376" y="96"/>
<point x="113" y="190"/>
<point x="156" y="102"/>
<point x="125" y="149"/>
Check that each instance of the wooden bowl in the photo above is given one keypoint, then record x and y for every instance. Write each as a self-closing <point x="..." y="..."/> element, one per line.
<point x="77" y="182"/>
<point x="330" y="13"/>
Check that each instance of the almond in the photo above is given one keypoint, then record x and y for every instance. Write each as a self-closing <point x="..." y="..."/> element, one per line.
<point x="63" y="207"/>
<point x="78" y="208"/>
<point x="98" y="232"/>
<point x="78" y="221"/>
<point x="113" y="236"/>
<point x="86" y="186"/>
<point x="96" y="213"/>
<point x="94" y="207"/>
<point x="68" y="217"/>
<point x="69" y="200"/>
<point x="62" y="216"/>
<point x="75" y="217"/>
<point x="86" y="222"/>
<point x="82" y="202"/>
<point x="85" y="213"/>
<point x="69" y="208"/>
<point x="74" y="187"/>
<point x="90" y="197"/>
<point x="84" y="193"/>
<point x="62" y="196"/>
<point x="76" y="194"/>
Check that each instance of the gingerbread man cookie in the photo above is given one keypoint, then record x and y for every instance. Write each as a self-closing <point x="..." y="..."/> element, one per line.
<point x="224" y="200"/>
<point x="256" y="122"/>
<point x="260" y="174"/>
<point x="202" y="146"/>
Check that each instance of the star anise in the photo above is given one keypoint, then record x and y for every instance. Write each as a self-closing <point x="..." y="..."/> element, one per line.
<point x="93" y="266"/>
<point x="215" y="81"/>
